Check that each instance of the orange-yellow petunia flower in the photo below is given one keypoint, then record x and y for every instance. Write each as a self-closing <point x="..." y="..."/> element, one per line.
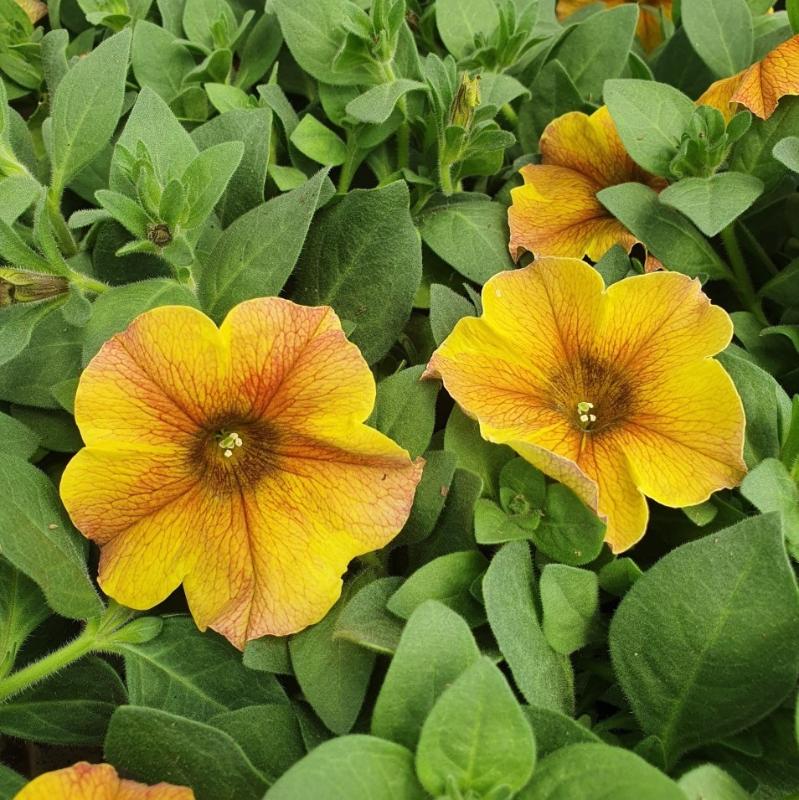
<point x="556" y="212"/>
<point x="759" y="87"/>
<point x="35" y="9"/>
<point x="610" y="391"/>
<point x="235" y="461"/>
<point x="650" y="27"/>
<point x="96" y="782"/>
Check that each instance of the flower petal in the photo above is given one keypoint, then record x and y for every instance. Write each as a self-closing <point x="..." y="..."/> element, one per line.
<point x="652" y="323"/>
<point x="327" y="503"/>
<point x="293" y="363"/>
<point x="96" y="782"/>
<point x="764" y="83"/>
<point x="719" y="95"/>
<point x="686" y="440"/>
<point x="153" y="384"/>
<point x="35" y="9"/>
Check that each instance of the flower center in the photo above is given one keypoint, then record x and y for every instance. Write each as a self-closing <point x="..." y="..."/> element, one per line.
<point x="231" y="454"/>
<point x="585" y="417"/>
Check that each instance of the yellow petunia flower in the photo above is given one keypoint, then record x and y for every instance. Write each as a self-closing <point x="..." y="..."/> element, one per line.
<point x="610" y="391"/>
<point x="235" y="461"/>
<point x="556" y="212"/>
<point x="759" y="87"/>
<point x="96" y="782"/>
<point x="649" y="29"/>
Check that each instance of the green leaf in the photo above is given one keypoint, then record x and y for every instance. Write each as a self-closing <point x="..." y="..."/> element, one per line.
<point x="10" y="783"/>
<point x="753" y="154"/>
<point x="152" y="746"/>
<point x="116" y="308"/>
<point x="713" y="203"/>
<point x="569" y="531"/>
<point x="71" y="708"/>
<point x="16" y="438"/>
<point x="555" y="94"/>
<point x="268" y="654"/>
<point x="447" y="579"/>
<point x="252" y="127"/>
<point x="22" y="609"/>
<point x="86" y="107"/>
<point x="766" y="406"/>
<point x="460" y="21"/>
<point x="721" y="32"/>
<point x="159" y="61"/>
<point x="314" y="32"/>
<point x="787" y="151"/>
<point x="17" y="194"/>
<point x="269" y="735"/>
<point x="770" y="487"/>
<point x="256" y="254"/>
<point x="554" y="730"/>
<point x="470" y="234"/>
<point x="570" y="603"/>
<point x="650" y="118"/>
<point x="589" y="771"/>
<point x="543" y="676"/>
<point x="351" y="768"/>
<point x="710" y="660"/>
<point x="367" y="622"/>
<point x="597" y="49"/>
<point x="436" y="646"/>
<point x="710" y="781"/>
<point x="363" y="257"/>
<point x="376" y="105"/>
<point x="37" y="537"/>
<point x="315" y="140"/>
<point x="333" y="673"/>
<point x="405" y="409"/>
<point x="476" y="738"/>
<point x="192" y="674"/>
<point x="666" y="233"/>
<point x="446" y="308"/>
<point x="56" y="430"/>
<point x="207" y="177"/>
<point x="200" y="16"/>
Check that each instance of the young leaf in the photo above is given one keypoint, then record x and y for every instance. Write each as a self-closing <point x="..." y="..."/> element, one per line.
<point x="446" y="308"/>
<point x="315" y="140"/>
<point x="476" y="738"/>
<point x="713" y="203"/>
<point x="86" y="107"/>
<point x="353" y="767"/>
<point x="650" y="118"/>
<point x="710" y="781"/>
<point x="543" y="676"/>
<point x="460" y="21"/>
<point x="570" y="602"/>
<point x="734" y="654"/>
<point x="207" y="177"/>
<point x="435" y="647"/>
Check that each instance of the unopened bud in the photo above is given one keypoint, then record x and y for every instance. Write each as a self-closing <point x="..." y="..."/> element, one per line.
<point x="19" y="286"/>
<point x="159" y="234"/>
<point x="467" y="98"/>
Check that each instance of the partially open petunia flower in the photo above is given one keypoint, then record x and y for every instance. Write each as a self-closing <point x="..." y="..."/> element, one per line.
<point x="610" y="391"/>
<point x="556" y="212"/>
<point x="759" y="87"/>
<point x="650" y="27"/>
<point x="35" y="9"/>
<point x="235" y="461"/>
<point x="96" y="782"/>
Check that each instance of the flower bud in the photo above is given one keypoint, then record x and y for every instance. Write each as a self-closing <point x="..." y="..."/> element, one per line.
<point x="18" y="286"/>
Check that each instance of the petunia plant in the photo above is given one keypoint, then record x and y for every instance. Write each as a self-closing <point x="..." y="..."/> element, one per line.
<point x="399" y="399"/>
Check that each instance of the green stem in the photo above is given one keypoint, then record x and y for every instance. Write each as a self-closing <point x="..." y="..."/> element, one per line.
<point x="404" y="130"/>
<point x="86" y="283"/>
<point x="66" y="242"/>
<point x="510" y="115"/>
<point x="347" y="171"/>
<point x="50" y="664"/>
<point x="742" y="281"/>
<point x="754" y="245"/>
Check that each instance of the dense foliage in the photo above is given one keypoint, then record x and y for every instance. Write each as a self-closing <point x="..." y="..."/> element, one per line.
<point x="510" y="641"/>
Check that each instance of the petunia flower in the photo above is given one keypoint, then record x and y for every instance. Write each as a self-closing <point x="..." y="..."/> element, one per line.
<point x="556" y="212"/>
<point x="235" y="461"/>
<point x="610" y="391"/>
<point x="649" y="29"/>
<point x="759" y="87"/>
<point x="96" y="782"/>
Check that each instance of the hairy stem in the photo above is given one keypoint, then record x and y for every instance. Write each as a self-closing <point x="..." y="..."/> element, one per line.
<point x="742" y="280"/>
